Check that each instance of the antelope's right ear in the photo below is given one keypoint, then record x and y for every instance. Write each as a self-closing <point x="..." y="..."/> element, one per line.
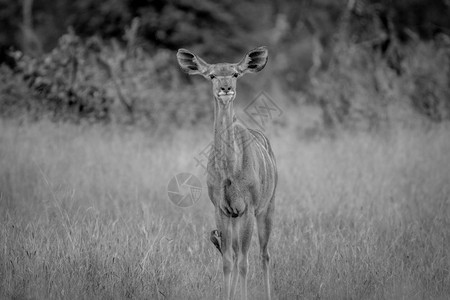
<point x="254" y="61"/>
<point x="191" y="63"/>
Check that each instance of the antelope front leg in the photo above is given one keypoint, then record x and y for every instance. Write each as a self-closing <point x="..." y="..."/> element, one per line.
<point x="245" y="237"/>
<point x="235" y="275"/>
<point x="264" y="224"/>
<point x="224" y="225"/>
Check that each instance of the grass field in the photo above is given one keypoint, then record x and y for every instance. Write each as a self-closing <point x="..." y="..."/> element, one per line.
<point x="84" y="214"/>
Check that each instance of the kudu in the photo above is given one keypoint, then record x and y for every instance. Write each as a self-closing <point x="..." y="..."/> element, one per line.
<point x="242" y="173"/>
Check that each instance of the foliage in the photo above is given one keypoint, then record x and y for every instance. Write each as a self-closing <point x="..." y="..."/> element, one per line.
<point x="9" y="20"/>
<point x="360" y="87"/>
<point x="99" y="81"/>
<point x="171" y="24"/>
<point x="116" y="62"/>
<point x="429" y="79"/>
<point x="56" y="86"/>
<point x="15" y="95"/>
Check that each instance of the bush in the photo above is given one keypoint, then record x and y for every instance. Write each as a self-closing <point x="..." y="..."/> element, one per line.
<point x="103" y="81"/>
<point x="96" y="81"/>
<point x="427" y="79"/>
<point x="360" y="87"/>
<point x="14" y="94"/>
<point x="60" y="85"/>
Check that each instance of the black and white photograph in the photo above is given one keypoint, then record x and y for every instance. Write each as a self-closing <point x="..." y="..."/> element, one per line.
<point x="195" y="149"/>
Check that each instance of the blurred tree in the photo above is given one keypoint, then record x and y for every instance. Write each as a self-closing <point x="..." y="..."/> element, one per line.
<point x="105" y="18"/>
<point x="10" y="17"/>
<point x="31" y="44"/>
<point x="216" y="29"/>
<point x="206" y="24"/>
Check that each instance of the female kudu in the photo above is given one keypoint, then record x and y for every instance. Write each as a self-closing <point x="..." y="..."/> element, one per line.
<point x="242" y="172"/>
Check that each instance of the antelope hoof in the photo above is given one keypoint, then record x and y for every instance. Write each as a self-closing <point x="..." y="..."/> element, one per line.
<point x="215" y="238"/>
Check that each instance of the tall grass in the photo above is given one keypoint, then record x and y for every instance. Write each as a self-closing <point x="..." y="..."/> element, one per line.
<point x="85" y="214"/>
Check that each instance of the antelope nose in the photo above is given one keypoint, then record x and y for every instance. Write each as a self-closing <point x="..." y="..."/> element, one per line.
<point x="226" y="89"/>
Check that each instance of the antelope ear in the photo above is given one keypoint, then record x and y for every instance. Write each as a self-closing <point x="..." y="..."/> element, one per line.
<point x="254" y="61"/>
<point x="191" y="63"/>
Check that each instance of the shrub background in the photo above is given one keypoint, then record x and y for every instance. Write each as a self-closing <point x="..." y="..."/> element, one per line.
<point x="360" y="64"/>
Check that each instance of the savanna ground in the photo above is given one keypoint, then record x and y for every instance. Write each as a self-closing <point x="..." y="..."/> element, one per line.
<point x="85" y="215"/>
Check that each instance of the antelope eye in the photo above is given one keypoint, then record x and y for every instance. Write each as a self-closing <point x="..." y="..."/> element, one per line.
<point x="212" y="76"/>
<point x="235" y="75"/>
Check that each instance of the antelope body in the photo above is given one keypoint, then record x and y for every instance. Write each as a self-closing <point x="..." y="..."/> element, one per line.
<point x="242" y="173"/>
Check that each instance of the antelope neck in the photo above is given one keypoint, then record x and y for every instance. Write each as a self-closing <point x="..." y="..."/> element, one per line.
<point x="224" y="139"/>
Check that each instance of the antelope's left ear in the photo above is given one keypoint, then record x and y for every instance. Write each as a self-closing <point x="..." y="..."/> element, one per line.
<point x="254" y="61"/>
<point x="191" y="63"/>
